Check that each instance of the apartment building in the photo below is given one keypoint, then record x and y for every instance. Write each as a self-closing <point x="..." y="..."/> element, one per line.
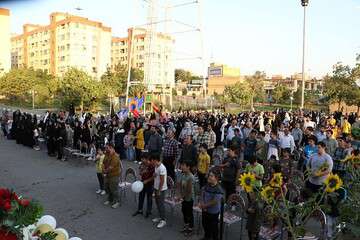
<point x="220" y="76"/>
<point x="135" y="48"/>
<point x="68" y="41"/>
<point x="5" y="46"/>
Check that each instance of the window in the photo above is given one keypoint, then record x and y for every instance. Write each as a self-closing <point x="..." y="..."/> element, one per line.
<point x="45" y="62"/>
<point x="68" y="46"/>
<point x="77" y="25"/>
<point x="94" y="69"/>
<point x="62" y="37"/>
<point x="62" y="58"/>
<point x="122" y="50"/>
<point x="32" y="54"/>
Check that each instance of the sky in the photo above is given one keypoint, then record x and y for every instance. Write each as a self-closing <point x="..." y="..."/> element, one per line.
<point x="263" y="35"/>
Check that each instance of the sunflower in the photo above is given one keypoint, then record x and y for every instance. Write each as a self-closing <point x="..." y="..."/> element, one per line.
<point x="276" y="180"/>
<point x="247" y="181"/>
<point x="323" y="168"/>
<point x="332" y="183"/>
<point x="268" y="193"/>
<point x="349" y="158"/>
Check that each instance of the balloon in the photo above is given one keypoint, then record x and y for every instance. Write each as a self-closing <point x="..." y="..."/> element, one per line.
<point x="43" y="228"/>
<point x="75" y="238"/>
<point x="137" y="186"/>
<point x="62" y="234"/>
<point x="47" y="219"/>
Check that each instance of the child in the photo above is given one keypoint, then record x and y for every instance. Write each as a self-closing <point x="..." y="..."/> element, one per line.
<point x="231" y="172"/>
<point x="257" y="169"/>
<point x="129" y="146"/>
<point x="160" y="187"/>
<point x="203" y="164"/>
<point x="210" y="203"/>
<point x="273" y="146"/>
<point x="147" y="177"/>
<point x="99" y="160"/>
<point x="92" y="152"/>
<point x="186" y="190"/>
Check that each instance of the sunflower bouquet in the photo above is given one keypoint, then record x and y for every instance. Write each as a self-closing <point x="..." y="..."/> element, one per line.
<point x="323" y="168"/>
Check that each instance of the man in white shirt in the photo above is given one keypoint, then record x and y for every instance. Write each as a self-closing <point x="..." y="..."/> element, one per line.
<point x="287" y="141"/>
<point x="160" y="187"/>
<point x="231" y="132"/>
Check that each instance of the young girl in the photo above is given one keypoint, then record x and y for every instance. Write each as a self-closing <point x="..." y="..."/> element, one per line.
<point x="186" y="190"/>
<point x="203" y="164"/>
<point x="99" y="170"/>
<point x="210" y="203"/>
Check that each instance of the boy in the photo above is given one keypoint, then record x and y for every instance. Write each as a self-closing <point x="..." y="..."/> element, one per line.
<point x="112" y="174"/>
<point x="231" y="171"/>
<point x="147" y="177"/>
<point x="210" y="203"/>
<point x="186" y="190"/>
<point x="257" y="169"/>
<point x="203" y="164"/>
<point x="160" y="187"/>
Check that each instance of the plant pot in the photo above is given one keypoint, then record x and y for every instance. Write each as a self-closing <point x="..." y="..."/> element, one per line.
<point x="4" y="235"/>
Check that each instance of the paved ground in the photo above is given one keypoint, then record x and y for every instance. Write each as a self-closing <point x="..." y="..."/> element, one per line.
<point x="67" y="191"/>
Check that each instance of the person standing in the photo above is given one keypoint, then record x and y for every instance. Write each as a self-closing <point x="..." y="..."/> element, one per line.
<point x="331" y="143"/>
<point x="189" y="152"/>
<point x="160" y="187"/>
<point x="140" y="143"/>
<point x="297" y="134"/>
<point x="320" y="165"/>
<point x="203" y="165"/>
<point x="186" y="187"/>
<point x="210" y="204"/>
<point x="212" y="140"/>
<point x="231" y="172"/>
<point x="287" y="141"/>
<point x="99" y="160"/>
<point x="147" y="171"/>
<point x="112" y="174"/>
<point x="155" y="143"/>
<point x="170" y="153"/>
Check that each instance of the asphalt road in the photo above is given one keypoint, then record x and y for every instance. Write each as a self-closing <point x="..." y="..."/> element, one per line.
<point x="67" y="191"/>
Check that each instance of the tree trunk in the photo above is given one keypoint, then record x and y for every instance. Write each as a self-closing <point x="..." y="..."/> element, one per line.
<point x="252" y="103"/>
<point x="339" y="105"/>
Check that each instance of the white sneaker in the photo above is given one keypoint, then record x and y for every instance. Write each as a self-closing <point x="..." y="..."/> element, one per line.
<point x="156" y="220"/>
<point x="98" y="191"/>
<point x="115" y="205"/>
<point x="102" y="193"/>
<point x="106" y="202"/>
<point x="161" y="224"/>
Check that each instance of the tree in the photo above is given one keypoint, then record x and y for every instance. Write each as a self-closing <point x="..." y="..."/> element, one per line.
<point x="339" y="84"/>
<point x="239" y="93"/>
<point x="281" y="93"/>
<point x="114" y="82"/>
<point x="255" y="86"/>
<point x="184" y="91"/>
<point x="182" y="75"/>
<point x="173" y="92"/>
<point x="78" y="88"/>
<point x="353" y="97"/>
<point x="18" y="84"/>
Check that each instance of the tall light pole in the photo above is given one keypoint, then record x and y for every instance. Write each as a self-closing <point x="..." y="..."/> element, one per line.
<point x="304" y="3"/>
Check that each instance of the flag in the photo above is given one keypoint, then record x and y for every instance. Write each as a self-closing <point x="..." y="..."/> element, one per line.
<point x="122" y="113"/>
<point x="140" y="102"/>
<point x="156" y="108"/>
<point x="136" y="113"/>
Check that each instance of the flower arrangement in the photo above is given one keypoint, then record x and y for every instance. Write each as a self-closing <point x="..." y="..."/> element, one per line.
<point x="294" y="214"/>
<point x="16" y="213"/>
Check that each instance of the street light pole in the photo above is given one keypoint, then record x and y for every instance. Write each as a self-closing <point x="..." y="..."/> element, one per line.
<point x="304" y="3"/>
<point x="33" y="99"/>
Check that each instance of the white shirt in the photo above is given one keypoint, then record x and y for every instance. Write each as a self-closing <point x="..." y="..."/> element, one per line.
<point x="231" y="133"/>
<point x="160" y="171"/>
<point x="287" y="142"/>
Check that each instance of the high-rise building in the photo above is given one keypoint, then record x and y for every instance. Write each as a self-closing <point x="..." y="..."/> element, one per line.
<point x="133" y="48"/>
<point x="5" y="47"/>
<point x="68" y="41"/>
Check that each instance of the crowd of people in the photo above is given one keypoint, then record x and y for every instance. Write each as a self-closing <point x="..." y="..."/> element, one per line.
<point x="203" y="153"/>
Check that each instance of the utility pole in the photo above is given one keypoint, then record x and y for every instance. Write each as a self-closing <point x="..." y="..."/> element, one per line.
<point x="304" y="4"/>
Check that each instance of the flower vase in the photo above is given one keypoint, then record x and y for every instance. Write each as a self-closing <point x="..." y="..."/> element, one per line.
<point x="5" y="235"/>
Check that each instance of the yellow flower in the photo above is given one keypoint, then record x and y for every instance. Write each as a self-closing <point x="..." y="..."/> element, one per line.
<point x="276" y="180"/>
<point x="268" y="193"/>
<point x="332" y="183"/>
<point x="247" y="181"/>
<point x="349" y="158"/>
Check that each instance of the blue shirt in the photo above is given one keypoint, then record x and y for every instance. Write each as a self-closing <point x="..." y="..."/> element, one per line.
<point x="211" y="193"/>
<point x="308" y="151"/>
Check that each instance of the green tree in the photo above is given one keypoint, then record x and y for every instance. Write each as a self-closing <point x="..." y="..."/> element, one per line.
<point x="114" y="82"/>
<point x="78" y="88"/>
<point x="353" y="97"/>
<point x="339" y="84"/>
<point x="184" y="91"/>
<point x="239" y="93"/>
<point x="281" y="93"/>
<point x="182" y="75"/>
<point x="255" y="86"/>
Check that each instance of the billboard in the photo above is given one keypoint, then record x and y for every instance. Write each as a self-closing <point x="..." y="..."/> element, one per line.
<point x="215" y="71"/>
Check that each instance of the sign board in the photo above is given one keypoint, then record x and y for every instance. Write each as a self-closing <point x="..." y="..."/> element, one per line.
<point x="215" y="72"/>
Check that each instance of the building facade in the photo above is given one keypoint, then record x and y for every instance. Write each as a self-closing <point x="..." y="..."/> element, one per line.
<point x="68" y="41"/>
<point x="220" y="76"/>
<point x="5" y="46"/>
<point x="133" y="50"/>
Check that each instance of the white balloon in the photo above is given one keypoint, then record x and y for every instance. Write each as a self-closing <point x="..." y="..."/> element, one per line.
<point x="75" y="238"/>
<point x="63" y="231"/>
<point x="137" y="186"/>
<point x="47" y="219"/>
